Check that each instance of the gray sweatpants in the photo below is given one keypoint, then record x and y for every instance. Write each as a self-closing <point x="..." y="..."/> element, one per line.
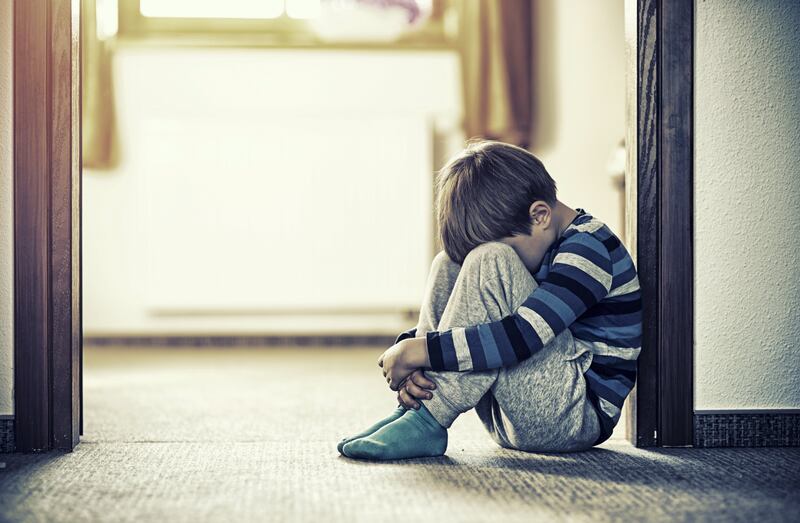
<point x="539" y="404"/>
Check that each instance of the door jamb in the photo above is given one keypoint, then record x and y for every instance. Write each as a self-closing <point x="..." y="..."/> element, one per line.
<point x="661" y="169"/>
<point x="47" y="193"/>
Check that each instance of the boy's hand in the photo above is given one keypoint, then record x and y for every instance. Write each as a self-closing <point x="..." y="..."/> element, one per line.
<point x="415" y="387"/>
<point x="401" y="359"/>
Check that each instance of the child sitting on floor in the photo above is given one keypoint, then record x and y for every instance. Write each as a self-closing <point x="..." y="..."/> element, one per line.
<point x="531" y="316"/>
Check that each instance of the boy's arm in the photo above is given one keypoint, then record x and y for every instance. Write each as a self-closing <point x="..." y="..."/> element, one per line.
<point x="579" y="277"/>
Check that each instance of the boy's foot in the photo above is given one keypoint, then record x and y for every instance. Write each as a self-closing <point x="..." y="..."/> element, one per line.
<point x="416" y="434"/>
<point x="396" y="413"/>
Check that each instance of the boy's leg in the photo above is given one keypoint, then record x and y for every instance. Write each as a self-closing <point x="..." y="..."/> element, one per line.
<point x="441" y="278"/>
<point x="518" y="404"/>
<point x="539" y="404"/>
<point x="491" y="280"/>
<point x="441" y="281"/>
<point x="492" y="283"/>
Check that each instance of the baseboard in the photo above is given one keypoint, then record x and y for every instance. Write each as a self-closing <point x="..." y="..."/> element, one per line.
<point x="6" y="435"/>
<point x="711" y="429"/>
<point x="747" y="428"/>
<point x="334" y="340"/>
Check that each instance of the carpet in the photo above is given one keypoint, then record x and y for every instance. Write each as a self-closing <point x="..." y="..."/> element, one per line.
<point x="249" y="434"/>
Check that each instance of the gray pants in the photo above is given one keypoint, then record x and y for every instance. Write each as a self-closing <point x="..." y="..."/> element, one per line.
<point x="539" y="404"/>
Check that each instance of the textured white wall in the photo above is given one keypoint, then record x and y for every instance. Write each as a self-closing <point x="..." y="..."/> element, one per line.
<point x="6" y="213"/>
<point x="747" y="205"/>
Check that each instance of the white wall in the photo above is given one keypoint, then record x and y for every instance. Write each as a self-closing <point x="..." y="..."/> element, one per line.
<point x="747" y="205"/>
<point x="183" y="237"/>
<point x="6" y="212"/>
<point x="579" y="81"/>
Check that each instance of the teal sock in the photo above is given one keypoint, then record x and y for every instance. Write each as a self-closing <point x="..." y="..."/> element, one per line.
<point x="416" y="434"/>
<point x="396" y="413"/>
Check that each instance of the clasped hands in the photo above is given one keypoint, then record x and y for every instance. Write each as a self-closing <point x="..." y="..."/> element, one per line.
<point x="403" y="364"/>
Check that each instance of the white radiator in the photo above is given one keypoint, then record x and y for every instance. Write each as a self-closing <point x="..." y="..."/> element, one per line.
<point x="309" y="212"/>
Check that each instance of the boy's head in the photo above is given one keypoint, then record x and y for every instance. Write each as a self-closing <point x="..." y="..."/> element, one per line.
<point x="486" y="193"/>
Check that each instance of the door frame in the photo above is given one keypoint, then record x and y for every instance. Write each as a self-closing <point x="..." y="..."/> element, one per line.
<point x="47" y="220"/>
<point x="47" y="226"/>
<point x="660" y="48"/>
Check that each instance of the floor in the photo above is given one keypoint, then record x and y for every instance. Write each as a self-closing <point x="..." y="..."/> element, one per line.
<point x="249" y="435"/>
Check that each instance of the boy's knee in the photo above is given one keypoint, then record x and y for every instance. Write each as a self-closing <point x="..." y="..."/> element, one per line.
<point x="495" y="257"/>
<point x="442" y="265"/>
<point x="442" y="259"/>
<point x="492" y="249"/>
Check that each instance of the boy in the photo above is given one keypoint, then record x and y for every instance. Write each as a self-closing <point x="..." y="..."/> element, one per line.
<point x="532" y="316"/>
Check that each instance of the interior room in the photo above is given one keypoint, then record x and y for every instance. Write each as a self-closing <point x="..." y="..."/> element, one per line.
<point x="253" y="227"/>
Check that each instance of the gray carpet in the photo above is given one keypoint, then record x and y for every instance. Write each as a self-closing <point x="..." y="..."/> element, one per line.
<point x="250" y="434"/>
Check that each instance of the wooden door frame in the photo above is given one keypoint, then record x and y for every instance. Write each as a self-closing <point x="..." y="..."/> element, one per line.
<point x="47" y="220"/>
<point x="660" y="37"/>
<point x="47" y="192"/>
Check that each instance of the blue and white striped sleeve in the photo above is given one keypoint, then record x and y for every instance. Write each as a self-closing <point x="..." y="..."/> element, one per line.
<point x="579" y="277"/>
<point x="410" y="333"/>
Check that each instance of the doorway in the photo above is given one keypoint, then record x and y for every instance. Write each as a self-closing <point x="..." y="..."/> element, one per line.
<point x="660" y="29"/>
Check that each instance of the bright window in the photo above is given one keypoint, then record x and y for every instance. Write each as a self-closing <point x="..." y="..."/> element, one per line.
<point x="212" y="8"/>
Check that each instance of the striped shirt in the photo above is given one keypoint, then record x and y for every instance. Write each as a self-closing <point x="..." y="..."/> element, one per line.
<point x="587" y="284"/>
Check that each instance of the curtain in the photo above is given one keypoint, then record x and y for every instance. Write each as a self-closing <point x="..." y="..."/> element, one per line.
<point x="496" y="46"/>
<point x="99" y="136"/>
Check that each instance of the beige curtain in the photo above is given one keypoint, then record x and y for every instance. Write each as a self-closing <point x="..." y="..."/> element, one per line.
<point x="496" y="45"/>
<point x="99" y="135"/>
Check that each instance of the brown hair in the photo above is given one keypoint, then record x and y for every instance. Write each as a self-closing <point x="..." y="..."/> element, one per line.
<point x="484" y="194"/>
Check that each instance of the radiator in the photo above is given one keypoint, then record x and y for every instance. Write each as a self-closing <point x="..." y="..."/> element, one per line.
<point x="290" y="213"/>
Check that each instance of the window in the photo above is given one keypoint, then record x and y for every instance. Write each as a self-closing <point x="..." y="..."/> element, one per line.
<point x="288" y="23"/>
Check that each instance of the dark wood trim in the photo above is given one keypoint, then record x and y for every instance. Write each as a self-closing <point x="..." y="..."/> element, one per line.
<point x="77" y="199"/>
<point x="31" y="228"/>
<point x="47" y="323"/>
<point x="642" y="37"/>
<point x="676" y="272"/>
<point x="662" y="151"/>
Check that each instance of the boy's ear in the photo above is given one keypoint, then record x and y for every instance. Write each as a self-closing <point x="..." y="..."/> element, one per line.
<point x="540" y="213"/>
